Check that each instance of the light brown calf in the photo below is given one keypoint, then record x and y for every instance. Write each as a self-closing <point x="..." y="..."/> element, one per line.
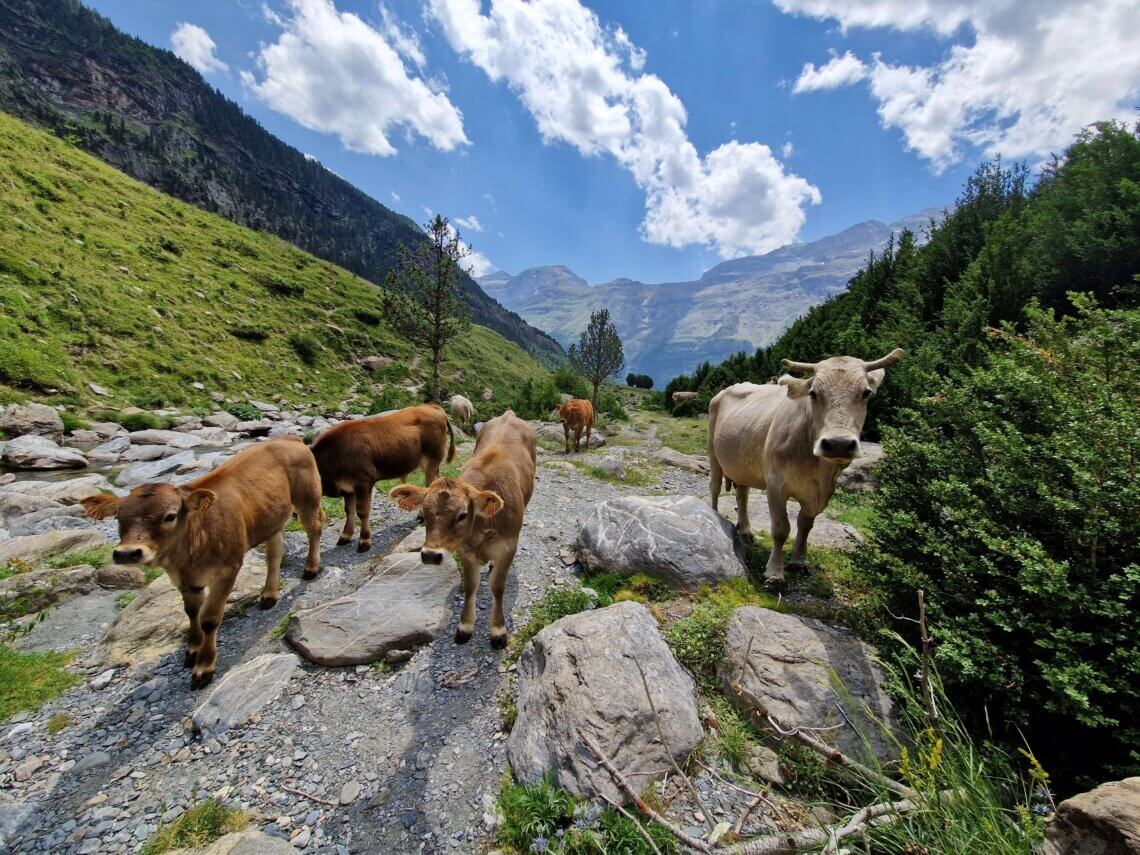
<point x="479" y="514"/>
<point x="682" y="397"/>
<point x="200" y="532"/>
<point x="352" y="456"/>
<point x="462" y="410"/>
<point x="577" y="415"/>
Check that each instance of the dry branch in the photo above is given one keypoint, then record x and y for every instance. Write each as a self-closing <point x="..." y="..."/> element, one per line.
<point x="829" y="837"/>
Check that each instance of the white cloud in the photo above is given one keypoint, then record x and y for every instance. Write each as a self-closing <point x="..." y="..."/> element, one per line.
<point x="333" y="72"/>
<point x="1032" y="77"/>
<point x="395" y="196"/>
<point x="193" y="45"/>
<point x="838" y="71"/>
<point x="474" y="262"/>
<point x="787" y="150"/>
<point x="584" y="86"/>
<point x="471" y="223"/>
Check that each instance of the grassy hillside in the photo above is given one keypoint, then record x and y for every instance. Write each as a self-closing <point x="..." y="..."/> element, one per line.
<point x="104" y="280"/>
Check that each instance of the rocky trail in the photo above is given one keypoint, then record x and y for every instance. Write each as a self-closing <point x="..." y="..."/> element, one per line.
<point x="401" y="756"/>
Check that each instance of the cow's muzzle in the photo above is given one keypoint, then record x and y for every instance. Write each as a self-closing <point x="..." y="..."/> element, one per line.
<point x="431" y="556"/>
<point x="837" y="447"/>
<point x="132" y="553"/>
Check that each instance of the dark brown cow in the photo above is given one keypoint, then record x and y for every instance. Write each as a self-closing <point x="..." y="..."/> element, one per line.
<point x="353" y="455"/>
<point x="479" y="514"/>
<point x="577" y="415"/>
<point x="200" y="532"/>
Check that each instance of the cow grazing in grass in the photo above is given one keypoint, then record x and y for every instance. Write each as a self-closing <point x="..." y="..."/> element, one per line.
<point x="353" y="455"/>
<point x="792" y="440"/>
<point x="682" y="397"/>
<point x="479" y="514"/>
<point x="577" y="415"/>
<point x="200" y="532"/>
<point x="462" y="410"/>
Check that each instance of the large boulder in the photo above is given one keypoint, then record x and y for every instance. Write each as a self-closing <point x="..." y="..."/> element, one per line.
<point x="1104" y="821"/>
<point x="248" y="842"/>
<point x="67" y="492"/>
<point x="37" y="419"/>
<point x="221" y="419"/>
<point x="244" y="690"/>
<point x="170" y="438"/>
<point x="38" y="548"/>
<point x="142" y="473"/>
<point x="32" y="451"/>
<point x="50" y="519"/>
<point x="805" y="673"/>
<point x="375" y="363"/>
<point x="13" y="505"/>
<point x="406" y="605"/>
<point x="679" y="538"/>
<point x="35" y="590"/>
<point x="155" y="623"/>
<point x="580" y="675"/>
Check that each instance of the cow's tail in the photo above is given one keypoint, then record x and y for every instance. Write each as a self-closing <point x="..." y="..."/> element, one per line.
<point x="451" y="437"/>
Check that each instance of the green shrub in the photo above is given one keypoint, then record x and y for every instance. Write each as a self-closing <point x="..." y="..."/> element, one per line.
<point x="243" y="411"/>
<point x="534" y="399"/>
<point x="698" y="640"/>
<point x="567" y="381"/>
<point x="139" y="421"/>
<point x="1011" y="498"/>
<point x="306" y="347"/>
<point x="249" y="332"/>
<point x="198" y="827"/>
<point x="367" y="317"/>
<point x="611" y="407"/>
<point x="391" y="398"/>
<point x="281" y="288"/>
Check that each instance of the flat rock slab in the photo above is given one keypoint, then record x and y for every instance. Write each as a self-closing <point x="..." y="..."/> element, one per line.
<point x="406" y="605"/>
<point x="248" y="842"/>
<point x="141" y="473"/>
<point x="1103" y="821"/>
<point x="808" y="674"/>
<point x="679" y="538"/>
<point x="68" y="491"/>
<point x="32" y="451"/>
<point x="580" y="675"/>
<point x="689" y="462"/>
<point x="244" y="690"/>
<point x="38" y="548"/>
<point x="156" y="624"/>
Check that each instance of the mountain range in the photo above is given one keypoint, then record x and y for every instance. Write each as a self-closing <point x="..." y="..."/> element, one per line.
<point x="149" y="114"/>
<point x="669" y="328"/>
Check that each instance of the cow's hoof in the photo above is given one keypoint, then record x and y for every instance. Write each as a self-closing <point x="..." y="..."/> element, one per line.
<point x="773" y="581"/>
<point x="800" y="565"/>
<point x="189" y="659"/>
<point x="462" y="636"/>
<point x="309" y="575"/>
<point x="267" y="602"/>
<point x="342" y="540"/>
<point x="499" y="641"/>
<point x="201" y="681"/>
<point x="364" y="546"/>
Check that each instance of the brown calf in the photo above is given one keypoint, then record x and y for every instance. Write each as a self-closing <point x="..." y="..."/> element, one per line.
<point x="577" y="415"/>
<point x="479" y="514"/>
<point x="352" y="456"/>
<point x="200" y="532"/>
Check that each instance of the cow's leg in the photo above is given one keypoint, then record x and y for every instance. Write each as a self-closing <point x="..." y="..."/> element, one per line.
<point x="192" y="599"/>
<point x="498" y="581"/>
<point x="778" y="507"/>
<point x="364" y="511"/>
<point x="313" y="521"/>
<point x="211" y="617"/>
<point x="566" y="434"/>
<point x="431" y="470"/>
<point x="578" y="440"/>
<point x="804" y="522"/>
<point x="274" y="552"/>
<point x="716" y="474"/>
<point x="743" y="524"/>
<point x="349" y="529"/>
<point x="589" y="432"/>
<point x="469" y="566"/>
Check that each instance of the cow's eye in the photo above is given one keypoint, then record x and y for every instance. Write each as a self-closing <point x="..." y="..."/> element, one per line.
<point x="170" y="517"/>
<point x="814" y="395"/>
<point x="462" y="516"/>
<point x="866" y="394"/>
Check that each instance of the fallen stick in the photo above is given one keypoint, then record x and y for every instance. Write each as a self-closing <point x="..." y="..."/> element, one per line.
<point x="785" y="843"/>
<point x="309" y="796"/>
<point x="744" y="814"/>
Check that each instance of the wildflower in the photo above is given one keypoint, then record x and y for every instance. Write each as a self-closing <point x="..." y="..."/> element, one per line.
<point x="539" y="844"/>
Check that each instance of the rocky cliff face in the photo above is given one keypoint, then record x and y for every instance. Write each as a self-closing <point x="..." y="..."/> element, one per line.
<point x="146" y="112"/>
<point x="669" y="328"/>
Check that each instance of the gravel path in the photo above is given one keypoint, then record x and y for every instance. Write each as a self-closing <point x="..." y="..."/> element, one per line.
<point x="346" y="759"/>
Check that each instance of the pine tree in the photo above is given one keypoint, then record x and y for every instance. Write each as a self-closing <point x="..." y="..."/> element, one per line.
<point x="598" y="355"/>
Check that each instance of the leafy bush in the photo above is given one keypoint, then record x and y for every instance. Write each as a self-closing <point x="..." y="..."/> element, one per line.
<point x="249" y="332"/>
<point x="1011" y="497"/>
<point x="611" y="407"/>
<point x="244" y="412"/>
<point x="535" y="399"/>
<point x="306" y="347"/>
<point x="569" y="382"/>
<point x="139" y="421"/>
<point x="391" y="398"/>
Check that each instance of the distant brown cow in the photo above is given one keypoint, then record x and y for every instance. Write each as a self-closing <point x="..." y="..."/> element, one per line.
<point x="577" y="415"/>
<point x="681" y="397"/>
<point x="353" y="455"/>
<point x="479" y="514"/>
<point x="200" y="532"/>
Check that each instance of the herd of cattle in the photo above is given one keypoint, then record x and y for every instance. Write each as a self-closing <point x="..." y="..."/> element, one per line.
<point x="791" y="439"/>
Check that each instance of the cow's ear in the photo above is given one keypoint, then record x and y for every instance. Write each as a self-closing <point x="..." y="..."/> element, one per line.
<point x="875" y="378"/>
<point x="796" y="387"/>
<point x="408" y="496"/>
<point x="488" y="502"/>
<point x="100" y="506"/>
<point x="200" y="500"/>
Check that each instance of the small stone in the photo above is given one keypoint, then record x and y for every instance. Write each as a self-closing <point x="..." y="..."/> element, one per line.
<point x="297" y="701"/>
<point x="350" y="792"/>
<point x="28" y="768"/>
<point x="301" y="839"/>
<point x="103" y="680"/>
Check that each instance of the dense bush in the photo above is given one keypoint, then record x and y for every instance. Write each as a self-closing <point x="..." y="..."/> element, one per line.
<point x="568" y="382"/>
<point x="390" y="398"/>
<point x="535" y="399"/>
<point x="1012" y="498"/>
<point x="243" y="411"/>
<point x="639" y="381"/>
<point x="612" y="407"/>
<point x="140" y="421"/>
<point x="306" y="347"/>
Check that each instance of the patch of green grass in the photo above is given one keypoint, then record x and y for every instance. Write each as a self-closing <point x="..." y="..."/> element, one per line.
<point x="58" y="723"/>
<point x="508" y="712"/>
<point x="333" y="508"/>
<point x="152" y="573"/>
<point x="29" y="680"/>
<point x="96" y="557"/>
<point x="544" y="818"/>
<point x="689" y="436"/>
<point x="125" y="599"/>
<point x="615" y="587"/>
<point x="140" y="421"/>
<point x="278" y="630"/>
<point x="853" y="508"/>
<point x="72" y="422"/>
<point x="638" y="472"/>
<point x="555" y="603"/>
<point x="447" y="470"/>
<point x="13" y="566"/>
<point x="198" y="827"/>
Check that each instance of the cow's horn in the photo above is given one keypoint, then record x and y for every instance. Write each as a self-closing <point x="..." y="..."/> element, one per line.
<point x="886" y="361"/>
<point x="798" y="366"/>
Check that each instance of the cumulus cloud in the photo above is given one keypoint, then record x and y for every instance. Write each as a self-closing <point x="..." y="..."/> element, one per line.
<point x="838" y="71"/>
<point x="787" y="150"/>
<point x="584" y="85"/>
<point x="194" y="46"/>
<point x="471" y="223"/>
<point x="333" y="72"/>
<point x="1033" y="76"/>
<point x="474" y="262"/>
<point x="395" y="195"/>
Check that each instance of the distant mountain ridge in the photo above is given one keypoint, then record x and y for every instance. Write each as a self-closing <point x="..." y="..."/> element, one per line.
<point x="149" y="114"/>
<point x="669" y="328"/>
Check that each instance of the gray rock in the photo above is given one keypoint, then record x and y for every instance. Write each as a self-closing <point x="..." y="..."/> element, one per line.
<point x="858" y="475"/>
<point x="142" y="453"/>
<point x="375" y="363"/>
<point x="171" y="438"/>
<point x="553" y="433"/>
<point x="67" y="492"/>
<point x="679" y="538"/>
<point x="244" y="690"/>
<point x="96" y="389"/>
<point x="221" y="419"/>
<point x="212" y="436"/>
<point x="32" y="451"/>
<point x="688" y="462"/>
<point x="50" y="519"/>
<point x="103" y="679"/>
<point x="406" y="605"/>
<point x="38" y="548"/>
<point x="265" y="407"/>
<point x="612" y="466"/>
<point x="37" y="419"/>
<point x="111" y="450"/>
<point x="259" y="427"/>
<point x="580" y="675"/>
<point x="13" y="505"/>
<point x="12" y="816"/>
<point x="805" y="673"/>
<point x="350" y="792"/>
<point x="248" y="842"/>
<point x="1103" y="821"/>
<point x="91" y="761"/>
<point x="120" y="577"/>
<point x="141" y="473"/>
<point x="38" y="589"/>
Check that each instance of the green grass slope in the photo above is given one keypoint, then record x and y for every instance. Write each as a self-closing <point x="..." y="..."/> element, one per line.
<point x="105" y="280"/>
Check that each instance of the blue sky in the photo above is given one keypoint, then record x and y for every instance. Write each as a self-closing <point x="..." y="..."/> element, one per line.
<point x="600" y="135"/>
